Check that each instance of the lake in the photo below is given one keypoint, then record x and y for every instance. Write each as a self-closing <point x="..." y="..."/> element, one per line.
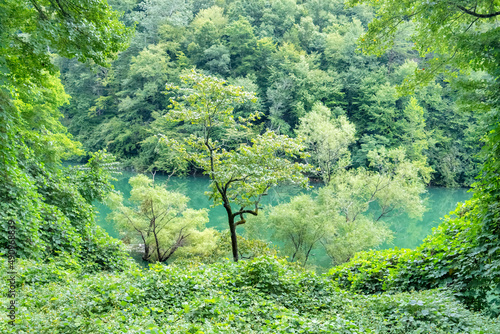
<point x="408" y="233"/>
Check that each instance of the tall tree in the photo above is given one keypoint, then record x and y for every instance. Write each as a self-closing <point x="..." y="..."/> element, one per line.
<point x="241" y="170"/>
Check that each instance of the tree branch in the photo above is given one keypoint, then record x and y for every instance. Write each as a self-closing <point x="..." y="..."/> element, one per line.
<point x="175" y="246"/>
<point x="482" y="16"/>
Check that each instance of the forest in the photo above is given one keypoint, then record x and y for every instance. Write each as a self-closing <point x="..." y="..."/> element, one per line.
<point x="295" y="57"/>
<point x="356" y="107"/>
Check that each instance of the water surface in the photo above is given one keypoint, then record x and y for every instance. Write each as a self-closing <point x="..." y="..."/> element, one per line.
<point x="408" y="232"/>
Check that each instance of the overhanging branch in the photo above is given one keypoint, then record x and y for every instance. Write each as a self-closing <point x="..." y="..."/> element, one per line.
<point x="482" y="16"/>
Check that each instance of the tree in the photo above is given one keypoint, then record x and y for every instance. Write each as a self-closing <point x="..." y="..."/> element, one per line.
<point x="47" y="203"/>
<point x="395" y="186"/>
<point x="300" y="224"/>
<point x="413" y="136"/>
<point x="242" y="45"/>
<point x="161" y="220"/>
<point x="379" y="113"/>
<point x="32" y="30"/>
<point x="347" y="215"/>
<point x="328" y="139"/>
<point x="277" y="17"/>
<point x="352" y="237"/>
<point x="214" y="14"/>
<point x="241" y="170"/>
<point x="155" y="13"/>
<point x="451" y="35"/>
<point x="460" y="34"/>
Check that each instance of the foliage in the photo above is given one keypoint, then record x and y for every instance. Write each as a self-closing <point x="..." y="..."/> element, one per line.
<point x="350" y="238"/>
<point x="61" y="210"/>
<point x="454" y="257"/>
<point x="463" y="32"/>
<point x="347" y="215"/>
<point x="241" y="170"/>
<point x="264" y="295"/>
<point x="50" y="205"/>
<point x="82" y="29"/>
<point x="248" y="248"/>
<point x="300" y="59"/>
<point x="463" y="253"/>
<point x="94" y="181"/>
<point x="295" y="56"/>
<point x="300" y="225"/>
<point x="161" y="221"/>
<point x="328" y="140"/>
<point x="395" y="187"/>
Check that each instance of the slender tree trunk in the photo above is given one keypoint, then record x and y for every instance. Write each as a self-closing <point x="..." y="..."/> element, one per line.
<point x="145" y="257"/>
<point x="307" y="254"/>
<point x="234" y="239"/>
<point x="158" y="254"/>
<point x="232" y="229"/>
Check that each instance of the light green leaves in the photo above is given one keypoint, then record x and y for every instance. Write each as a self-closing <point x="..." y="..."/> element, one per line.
<point x="161" y="220"/>
<point x="241" y="169"/>
<point x="327" y="139"/>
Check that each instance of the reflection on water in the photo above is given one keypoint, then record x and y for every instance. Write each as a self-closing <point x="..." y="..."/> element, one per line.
<point x="409" y="233"/>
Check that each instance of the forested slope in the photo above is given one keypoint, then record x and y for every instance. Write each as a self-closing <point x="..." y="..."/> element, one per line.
<point x="293" y="55"/>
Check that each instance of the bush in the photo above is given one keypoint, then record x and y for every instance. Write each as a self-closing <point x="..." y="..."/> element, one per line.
<point x="263" y="295"/>
<point x="453" y="257"/>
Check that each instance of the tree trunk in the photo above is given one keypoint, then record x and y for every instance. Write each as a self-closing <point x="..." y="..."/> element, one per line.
<point x="232" y="229"/>
<point x="234" y="239"/>
<point x="145" y="257"/>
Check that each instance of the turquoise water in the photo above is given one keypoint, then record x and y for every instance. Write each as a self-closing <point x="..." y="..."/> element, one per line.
<point x="408" y="233"/>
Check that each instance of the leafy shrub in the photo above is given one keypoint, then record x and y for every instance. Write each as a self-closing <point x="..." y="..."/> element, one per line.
<point x="53" y="214"/>
<point x="101" y="252"/>
<point x="369" y="272"/>
<point x="263" y="295"/>
<point x="426" y="312"/>
<point x="453" y="257"/>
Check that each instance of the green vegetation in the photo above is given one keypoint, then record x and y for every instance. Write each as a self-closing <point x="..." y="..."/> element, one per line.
<point x="463" y="253"/>
<point x="241" y="173"/>
<point x="295" y="56"/>
<point x="161" y="221"/>
<point x="254" y="94"/>
<point x="454" y="256"/>
<point x="327" y="139"/>
<point x="51" y="206"/>
<point x="263" y="295"/>
<point x="337" y="219"/>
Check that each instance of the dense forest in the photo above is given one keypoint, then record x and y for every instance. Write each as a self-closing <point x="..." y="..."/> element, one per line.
<point x="375" y="99"/>
<point x="295" y="56"/>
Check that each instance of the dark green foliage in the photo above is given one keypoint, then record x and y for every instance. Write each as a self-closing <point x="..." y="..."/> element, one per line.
<point x="50" y="205"/>
<point x="94" y="178"/>
<point x="264" y="295"/>
<point x="463" y="254"/>
<point x="54" y="214"/>
<point x="292" y="54"/>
